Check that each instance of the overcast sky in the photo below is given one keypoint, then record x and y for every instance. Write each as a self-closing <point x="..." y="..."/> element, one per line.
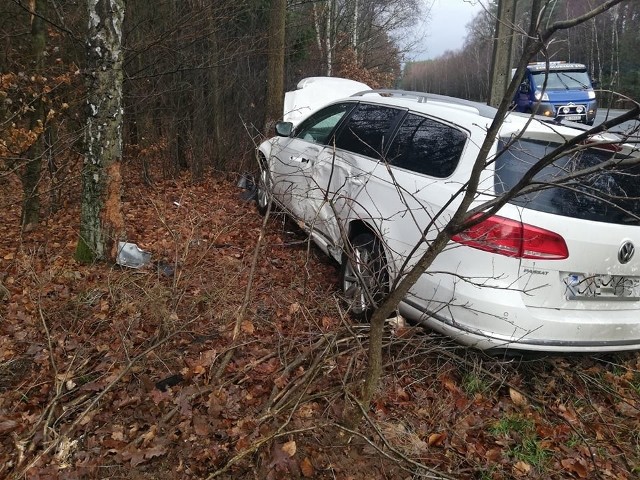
<point x="446" y="29"/>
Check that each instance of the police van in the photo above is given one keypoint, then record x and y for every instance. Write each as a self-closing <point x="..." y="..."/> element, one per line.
<point x="558" y="90"/>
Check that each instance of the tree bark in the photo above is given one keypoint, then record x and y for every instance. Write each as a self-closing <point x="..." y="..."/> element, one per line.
<point x="275" y="63"/>
<point x="502" y="51"/>
<point x="102" y="223"/>
<point x="33" y="167"/>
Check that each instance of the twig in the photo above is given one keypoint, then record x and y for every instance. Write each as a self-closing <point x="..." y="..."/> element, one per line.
<point x="247" y="296"/>
<point x="431" y="473"/>
<point x="90" y="407"/>
<point x="257" y="445"/>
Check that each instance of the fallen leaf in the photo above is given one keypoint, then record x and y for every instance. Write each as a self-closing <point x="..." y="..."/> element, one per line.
<point x="281" y="457"/>
<point x="493" y="454"/>
<point x="450" y="385"/>
<point x="138" y="456"/>
<point x="307" y="468"/>
<point x="568" y="414"/>
<point x="247" y="327"/>
<point x="436" y="439"/>
<point x="201" y="425"/>
<point x="7" y="425"/>
<point x="328" y="322"/>
<point x="150" y="435"/>
<point x="521" y="469"/>
<point x="517" y="398"/>
<point x="294" y="308"/>
<point x="627" y="409"/>
<point x="575" y="466"/>
<point x="289" y="448"/>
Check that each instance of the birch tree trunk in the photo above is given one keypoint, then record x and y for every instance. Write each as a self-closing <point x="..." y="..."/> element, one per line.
<point x="101" y="220"/>
<point x="329" y="36"/>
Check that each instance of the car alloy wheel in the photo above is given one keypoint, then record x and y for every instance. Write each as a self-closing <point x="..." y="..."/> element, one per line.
<point x="364" y="275"/>
<point x="262" y="195"/>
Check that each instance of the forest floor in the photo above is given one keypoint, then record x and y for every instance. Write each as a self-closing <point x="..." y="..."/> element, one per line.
<point x="112" y="372"/>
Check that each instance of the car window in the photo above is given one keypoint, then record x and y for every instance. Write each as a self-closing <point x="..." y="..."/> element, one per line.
<point x="318" y="127"/>
<point x="426" y="146"/>
<point x="611" y="196"/>
<point x="367" y="130"/>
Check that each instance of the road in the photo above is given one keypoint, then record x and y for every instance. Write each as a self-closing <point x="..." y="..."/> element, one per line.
<point x="630" y="128"/>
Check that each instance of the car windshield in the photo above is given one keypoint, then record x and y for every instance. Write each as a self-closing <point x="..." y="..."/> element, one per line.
<point x="565" y="80"/>
<point x="611" y="196"/>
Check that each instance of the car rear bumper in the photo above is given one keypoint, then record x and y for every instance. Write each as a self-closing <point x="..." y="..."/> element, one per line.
<point x="534" y="329"/>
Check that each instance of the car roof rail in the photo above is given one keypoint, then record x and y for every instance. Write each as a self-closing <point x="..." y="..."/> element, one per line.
<point x="422" y="97"/>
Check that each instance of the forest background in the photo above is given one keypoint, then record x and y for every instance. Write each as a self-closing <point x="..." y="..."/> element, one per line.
<point x="195" y="91"/>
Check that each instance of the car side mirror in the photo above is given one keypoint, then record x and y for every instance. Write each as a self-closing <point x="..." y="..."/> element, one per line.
<point x="524" y="87"/>
<point x="284" y="129"/>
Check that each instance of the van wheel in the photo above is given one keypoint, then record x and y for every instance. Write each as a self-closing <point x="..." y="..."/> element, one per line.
<point x="364" y="275"/>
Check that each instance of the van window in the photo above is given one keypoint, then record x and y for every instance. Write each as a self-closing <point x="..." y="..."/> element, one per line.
<point x="564" y="80"/>
<point x="318" y="127"/>
<point x="368" y="129"/>
<point x="611" y="196"/>
<point x="425" y="146"/>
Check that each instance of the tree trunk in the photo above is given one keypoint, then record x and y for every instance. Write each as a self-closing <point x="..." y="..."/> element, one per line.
<point x="502" y="51"/>
<point x="275" y="64"/>
<point x="101" y="218"/>
<point x="31" y="174"/>
<point x="328" y="39"/>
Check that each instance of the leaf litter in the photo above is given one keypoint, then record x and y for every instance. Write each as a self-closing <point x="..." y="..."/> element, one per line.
<point x="110" y="372"/>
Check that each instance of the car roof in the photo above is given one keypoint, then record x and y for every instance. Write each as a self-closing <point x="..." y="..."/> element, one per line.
<point x="460" y="104"/>
<point x="464" y="113"/>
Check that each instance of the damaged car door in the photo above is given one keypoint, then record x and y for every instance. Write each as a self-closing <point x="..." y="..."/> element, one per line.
<point x="343" y="170"/>
<point x="295" y="157"/>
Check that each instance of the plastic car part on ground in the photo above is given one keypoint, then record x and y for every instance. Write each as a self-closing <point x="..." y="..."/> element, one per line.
<point x="132" y="256"/>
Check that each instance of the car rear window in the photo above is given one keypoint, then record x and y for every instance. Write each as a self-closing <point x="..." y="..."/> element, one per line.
<point x="426" y="146"/>
<point x="611" y="196"/>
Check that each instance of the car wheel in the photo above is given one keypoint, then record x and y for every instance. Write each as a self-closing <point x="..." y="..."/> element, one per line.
<point x="364" y="275"/>
<point x="263" y="196"/>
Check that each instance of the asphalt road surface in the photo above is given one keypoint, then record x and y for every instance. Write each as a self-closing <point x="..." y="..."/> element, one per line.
<point x="628" y="128"/>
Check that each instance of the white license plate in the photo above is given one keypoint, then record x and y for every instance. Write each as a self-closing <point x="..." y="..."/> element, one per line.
<point x="573" y="117"/>
<point x="601" y="287"/>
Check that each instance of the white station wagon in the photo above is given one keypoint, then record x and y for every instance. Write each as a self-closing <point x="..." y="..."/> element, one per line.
<point x="366" y="171"/>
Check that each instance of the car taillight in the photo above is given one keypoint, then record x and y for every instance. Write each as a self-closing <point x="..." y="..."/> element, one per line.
<point x="514" y="239"/>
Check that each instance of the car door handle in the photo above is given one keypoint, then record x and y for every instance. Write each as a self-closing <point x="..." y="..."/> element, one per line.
<point x="298" y="159"/>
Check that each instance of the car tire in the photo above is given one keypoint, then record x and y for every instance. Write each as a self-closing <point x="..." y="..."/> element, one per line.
<point x="364" y="275"/>
<point x="263" y="196"/>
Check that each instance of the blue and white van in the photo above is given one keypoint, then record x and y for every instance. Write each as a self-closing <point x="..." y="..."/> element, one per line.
<point x="567" y="95"/>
